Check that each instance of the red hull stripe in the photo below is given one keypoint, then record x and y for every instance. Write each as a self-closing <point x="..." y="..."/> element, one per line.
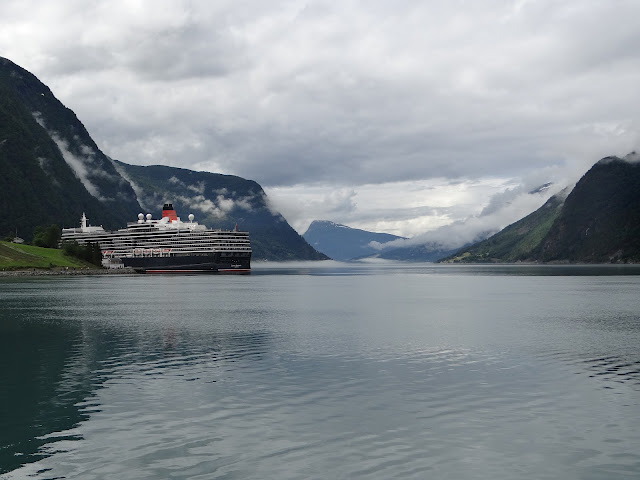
<point x="243" y="270"/>
<point x="178" y="271"/>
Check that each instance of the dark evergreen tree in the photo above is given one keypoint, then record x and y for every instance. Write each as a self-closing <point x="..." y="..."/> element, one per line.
<point x="90" y="252"/>
<point x="47" y="237"/>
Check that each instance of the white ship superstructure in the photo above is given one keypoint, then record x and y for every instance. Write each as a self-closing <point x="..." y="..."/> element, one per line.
<point x="167" y="244"/>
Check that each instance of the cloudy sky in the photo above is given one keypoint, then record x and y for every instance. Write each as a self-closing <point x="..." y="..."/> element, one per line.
<point x="401" y="116"/>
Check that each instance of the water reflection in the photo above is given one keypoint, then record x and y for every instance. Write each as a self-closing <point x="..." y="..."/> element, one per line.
<point x="57" y="354"/>
<point x="614" y="368"/>
<point x="41" y="382"/>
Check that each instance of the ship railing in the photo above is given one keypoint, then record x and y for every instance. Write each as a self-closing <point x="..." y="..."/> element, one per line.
<point x="152" y="252"/>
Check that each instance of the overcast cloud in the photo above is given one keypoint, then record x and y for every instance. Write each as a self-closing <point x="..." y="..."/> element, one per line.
<point x="396" y="116"/>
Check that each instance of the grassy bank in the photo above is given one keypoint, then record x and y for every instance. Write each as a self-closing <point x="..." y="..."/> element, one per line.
<point x="21" y="257"/>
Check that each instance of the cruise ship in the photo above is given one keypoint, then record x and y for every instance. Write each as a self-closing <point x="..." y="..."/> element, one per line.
<point x="167" y="245"/>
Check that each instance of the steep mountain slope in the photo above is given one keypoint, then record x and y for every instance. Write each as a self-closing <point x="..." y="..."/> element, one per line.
<point x="516" y="242"/>
<point x="52" y="170"/>
<point x="600" y="220"/>
<point x="220" y="201"/>
<point x="341" y="242"/>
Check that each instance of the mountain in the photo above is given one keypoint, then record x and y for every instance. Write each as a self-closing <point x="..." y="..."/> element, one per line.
<point x="597" y="222"/>
<point x="220" y="201"/>
<point x="600" y="220"/>
<point x="516" y="242"/>
<point x="51" y="168"/>
<point x="53" y="171"/>
<point x="341" y="242"/>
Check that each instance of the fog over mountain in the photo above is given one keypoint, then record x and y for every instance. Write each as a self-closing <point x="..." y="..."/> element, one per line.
<point x="598" y="221"/>
<point x="502" y="209"/>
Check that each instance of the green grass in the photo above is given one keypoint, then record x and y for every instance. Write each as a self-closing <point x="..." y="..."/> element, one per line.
<point x="19" y="257"/>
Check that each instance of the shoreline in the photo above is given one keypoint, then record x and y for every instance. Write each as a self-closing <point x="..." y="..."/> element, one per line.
<point x="36" y="272"/>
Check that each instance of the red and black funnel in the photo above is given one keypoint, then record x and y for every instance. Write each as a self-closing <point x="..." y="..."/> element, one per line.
<point x="169" y="212"/>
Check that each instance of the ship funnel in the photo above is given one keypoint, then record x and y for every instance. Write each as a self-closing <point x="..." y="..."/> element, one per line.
<point x="169" y="212"/>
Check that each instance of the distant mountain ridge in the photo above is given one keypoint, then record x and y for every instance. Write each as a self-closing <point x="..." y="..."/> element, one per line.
<point x="597" y="222"/>
<point x="341" y="242"/>
<point x="53" y="172"/>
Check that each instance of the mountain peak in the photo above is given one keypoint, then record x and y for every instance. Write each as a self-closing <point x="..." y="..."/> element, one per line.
<point x="631" y="157"/>
<point x="342" y="242"/>
<point x="324" y="224"/>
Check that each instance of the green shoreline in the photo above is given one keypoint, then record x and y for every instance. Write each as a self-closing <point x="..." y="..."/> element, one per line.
<point x="19" y="260"/>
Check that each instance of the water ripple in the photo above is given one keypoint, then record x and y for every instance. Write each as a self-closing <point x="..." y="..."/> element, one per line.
<point x="314" y="385"/>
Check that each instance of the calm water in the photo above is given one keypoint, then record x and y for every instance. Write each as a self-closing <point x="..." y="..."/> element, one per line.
<point x="323" y="372"/>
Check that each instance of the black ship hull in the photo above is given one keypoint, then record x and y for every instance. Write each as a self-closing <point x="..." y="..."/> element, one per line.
<point x="189" y="264"/>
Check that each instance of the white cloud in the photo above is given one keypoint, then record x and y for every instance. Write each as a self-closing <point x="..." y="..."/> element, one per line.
<point x="205" y="205"/>
<point x="81" y="166"/>
<point x="137" y="189"/>
<point x="225" y="204"/>
<point x="244" y="203"/>
<point x="476" y="227"/>
<point x="219" y="207"/>
<point x="199" y="188"/>
<point x="402" y="208"/>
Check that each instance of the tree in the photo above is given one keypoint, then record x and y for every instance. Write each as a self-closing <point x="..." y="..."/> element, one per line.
<point x="47" y="237"/>
<point x="89" y="252"/>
